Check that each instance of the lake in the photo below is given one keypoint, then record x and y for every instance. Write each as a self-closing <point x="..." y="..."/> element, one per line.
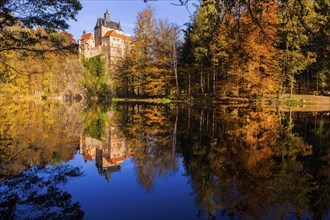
<point x="155" y="161"/>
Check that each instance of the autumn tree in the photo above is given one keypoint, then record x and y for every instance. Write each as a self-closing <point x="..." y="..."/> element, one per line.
<point x="142" y="51"/>
<point x="166" y="56"/>
<point x="258" y="70"/>
<point x="150" y="67"/>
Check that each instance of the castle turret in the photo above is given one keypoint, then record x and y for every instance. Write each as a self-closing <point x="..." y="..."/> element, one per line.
<point x="107" y="16"/>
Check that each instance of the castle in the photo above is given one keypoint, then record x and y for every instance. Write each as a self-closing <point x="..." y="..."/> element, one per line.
<point x="108" y="40"/>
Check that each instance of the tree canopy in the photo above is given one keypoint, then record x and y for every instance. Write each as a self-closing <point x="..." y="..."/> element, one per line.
<point x="19" y="18"/>
<point x="32" y="13"/>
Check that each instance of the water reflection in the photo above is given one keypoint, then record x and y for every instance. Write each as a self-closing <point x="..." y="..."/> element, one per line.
<point x="109" y="152"/>
<point x="253" y="162"/>
<point x="240" y="162"/>
<point x="152" y="134"/>
<point x="35" y="194"/>
<point x="37" y="133"/>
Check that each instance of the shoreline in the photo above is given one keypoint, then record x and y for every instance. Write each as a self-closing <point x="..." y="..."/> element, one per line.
<point x="284" y="103"/>
<point x="300" y="100"/>
<point x="298" y="103"/>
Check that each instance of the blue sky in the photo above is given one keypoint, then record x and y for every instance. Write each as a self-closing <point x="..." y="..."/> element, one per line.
<point x="125" y="11"/>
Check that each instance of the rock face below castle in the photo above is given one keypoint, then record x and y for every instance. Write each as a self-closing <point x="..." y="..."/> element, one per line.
<point x="108" y="40"/>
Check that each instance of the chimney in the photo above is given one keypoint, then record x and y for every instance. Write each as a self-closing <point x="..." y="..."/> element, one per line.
<point x="107" y="16"/>
<point x="84" y="32"/>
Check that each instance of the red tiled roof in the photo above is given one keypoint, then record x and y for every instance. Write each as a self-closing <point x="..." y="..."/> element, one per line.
<point x="115" y="160"/>
<point x="87" y="157"/>
<point x="128" y="38"/>
<point x="113" y="33"/>
<point x="86" y="36"/>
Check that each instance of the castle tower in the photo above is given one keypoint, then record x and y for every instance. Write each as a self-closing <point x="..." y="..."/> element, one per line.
<point x="102" y="26"/>
<point x="107" y="16"/>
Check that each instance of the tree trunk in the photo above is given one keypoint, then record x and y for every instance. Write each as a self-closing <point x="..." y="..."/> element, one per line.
<point x="133" y="86"/>
<point x="214" y="81"/>
<point x="208" y="82"/>
<point x="127" y="88"/>
<point x="175" y="64"/>
<point x="176" y="79"/>
<point x="213" y="122"/>
<point x="189" y="85"/>
<point x="202" y="86"/>
<point x="201" y="125"/>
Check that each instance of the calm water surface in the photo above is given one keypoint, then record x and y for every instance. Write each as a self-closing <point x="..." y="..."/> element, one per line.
<point x="130" y="161"/>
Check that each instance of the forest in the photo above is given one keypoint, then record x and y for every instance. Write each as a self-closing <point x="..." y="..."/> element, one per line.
<point x="249" y="49"/>
<point x="233" y="48"/>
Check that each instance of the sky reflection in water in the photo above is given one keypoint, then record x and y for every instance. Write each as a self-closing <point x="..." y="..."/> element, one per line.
<point x="122" y="197"/>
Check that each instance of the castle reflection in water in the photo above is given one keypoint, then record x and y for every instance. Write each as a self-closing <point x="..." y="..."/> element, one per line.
<point x="109" y="153"/>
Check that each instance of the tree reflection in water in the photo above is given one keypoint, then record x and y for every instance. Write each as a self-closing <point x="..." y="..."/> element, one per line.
<point x="251" y="162"/>
<point x="150" y="131"/>
<point x="243" y="162"/>
<point x="37" y="133"/>
<point x="35" y="194"/>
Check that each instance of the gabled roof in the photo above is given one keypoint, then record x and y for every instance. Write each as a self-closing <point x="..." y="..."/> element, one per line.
<point x="113" y="33"/>
<point x="117" y="160"/>
<point x="128" y="39"/>
<point x="87" y="157"/>
<point x="86" y="36"/>
<point x="109" y="24"/>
